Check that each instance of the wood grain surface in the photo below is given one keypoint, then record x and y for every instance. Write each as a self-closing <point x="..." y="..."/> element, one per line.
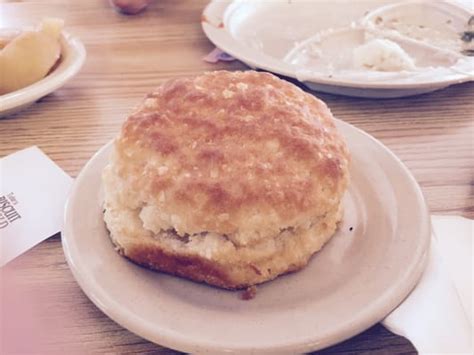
<point x="129" y="55"/>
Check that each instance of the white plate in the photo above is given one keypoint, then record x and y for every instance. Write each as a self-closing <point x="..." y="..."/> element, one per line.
<point x="246" y="30"/>
<point x="73" y="55"/>
<point x="364" y="272"/>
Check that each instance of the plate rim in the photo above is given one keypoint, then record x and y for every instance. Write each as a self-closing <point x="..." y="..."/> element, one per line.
<point x="175" y="340"/>
<point x="213" y="33"/>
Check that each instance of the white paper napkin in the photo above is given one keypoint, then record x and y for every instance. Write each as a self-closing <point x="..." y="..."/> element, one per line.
<point x="33" y="192"/>
<point x="437" y="316"/>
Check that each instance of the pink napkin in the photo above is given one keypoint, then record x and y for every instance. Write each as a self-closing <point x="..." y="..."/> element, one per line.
<point x="217" y="55"/>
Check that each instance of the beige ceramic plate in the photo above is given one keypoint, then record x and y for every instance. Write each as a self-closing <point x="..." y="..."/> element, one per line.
<point x="73" y="55"/>
<point x="363" y="273"/>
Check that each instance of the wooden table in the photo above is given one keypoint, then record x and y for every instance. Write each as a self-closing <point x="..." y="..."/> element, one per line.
<point x="127" y="56"/>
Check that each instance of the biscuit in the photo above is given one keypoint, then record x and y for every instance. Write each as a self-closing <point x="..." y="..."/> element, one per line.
<point x="228" y="178"/>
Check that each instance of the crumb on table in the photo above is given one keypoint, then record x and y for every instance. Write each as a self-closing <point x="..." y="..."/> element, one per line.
<point x="249" y="293"/>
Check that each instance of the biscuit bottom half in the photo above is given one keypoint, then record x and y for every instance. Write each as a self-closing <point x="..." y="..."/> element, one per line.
<point x="214" y="258"/>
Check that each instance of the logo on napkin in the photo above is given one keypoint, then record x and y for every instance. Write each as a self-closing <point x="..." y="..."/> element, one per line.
<point x="33" y="192"/>
<point x="8" y="213"/>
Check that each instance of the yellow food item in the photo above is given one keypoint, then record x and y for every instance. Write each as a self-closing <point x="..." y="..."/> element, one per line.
<point x="6" y="36"/>
<point x="29" y="56"/>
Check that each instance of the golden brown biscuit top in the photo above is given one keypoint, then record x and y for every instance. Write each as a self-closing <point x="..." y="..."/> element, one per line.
<point x="243" y="154"/>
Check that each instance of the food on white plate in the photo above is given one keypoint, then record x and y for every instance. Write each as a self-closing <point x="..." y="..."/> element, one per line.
<point x="228" y="178"/>
<point x="27" y="57"/>
<point x="400" y="43"/>
<point x="383" y="55"/>
<point x="440" y="24"/>
<point x="357" y="53"/>
<point x="467" y="37"/>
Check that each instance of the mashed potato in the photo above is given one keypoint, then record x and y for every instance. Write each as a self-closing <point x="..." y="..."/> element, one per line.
<point x="382" y="55"/>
